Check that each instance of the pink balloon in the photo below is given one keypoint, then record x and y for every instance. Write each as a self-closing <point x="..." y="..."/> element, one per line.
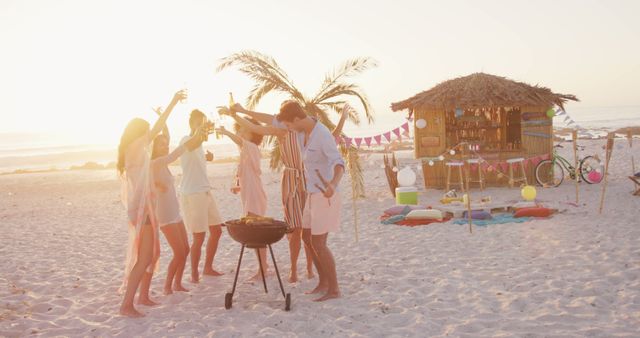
<point x="594" y="176"/>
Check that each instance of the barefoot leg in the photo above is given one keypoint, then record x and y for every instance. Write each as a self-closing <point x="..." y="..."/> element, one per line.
<point x="322" y="282"/>
<point x="294" y="251"/>
<point x="184" y="246"/>
<point x="212" y="247"/>
<point x="145" y="253"/>
<point x="328" y="267"/>
<point x="172" y="234"/>
<point x="196" y="249"/>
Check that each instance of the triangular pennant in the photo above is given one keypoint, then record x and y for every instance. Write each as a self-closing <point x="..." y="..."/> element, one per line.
<point x="338" y="139"/>
<point x="347" y="141"/>
<point x="406" y="126"/>
<point x="387" y="135"/>
<point x="358" y="141"/>
<point x="504" y="166"/>
<point x="397" y="132"/>
<point x="378" y="139"/>
<point x="367" y="141"/>
<point x="560" y="112"/>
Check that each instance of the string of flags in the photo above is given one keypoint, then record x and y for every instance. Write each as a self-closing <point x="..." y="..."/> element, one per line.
<point x="570" y="122"/>
<point x="399" y="132"/>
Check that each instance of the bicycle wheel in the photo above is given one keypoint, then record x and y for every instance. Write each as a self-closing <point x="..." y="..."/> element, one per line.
<point x="549" y="173"/>
<point x="591" y="170"/>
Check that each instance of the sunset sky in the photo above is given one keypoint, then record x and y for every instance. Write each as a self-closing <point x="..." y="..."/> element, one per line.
<point x="82" y="69"/>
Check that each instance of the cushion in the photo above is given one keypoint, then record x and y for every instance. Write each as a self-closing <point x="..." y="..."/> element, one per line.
<point x="393" y="219"/>
<point x="425" y="214"/>
<point x="478" y="214"/>
<point x="533" y="212"/>
<point x="400" y="209"/>
<point x="525" y="204"/>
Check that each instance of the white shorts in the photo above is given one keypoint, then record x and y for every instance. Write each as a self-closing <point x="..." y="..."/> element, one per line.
<point x="200" y="210"/>
<point x="321" y="214"/>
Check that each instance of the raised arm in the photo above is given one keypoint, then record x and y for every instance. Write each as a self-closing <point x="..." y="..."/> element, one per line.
<point x="267" y="130"/>
<point x="162" y="120"/>
<point x="194" y="142"/>
<point x="337" y="131"/>
<point x="235" y="138"/>
<point x="165" y="130"/>
<point x="261" y="117"/>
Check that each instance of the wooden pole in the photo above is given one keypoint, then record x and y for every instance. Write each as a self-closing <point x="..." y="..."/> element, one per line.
<point x="606" y="168"/>
<point x="575" y="157"/>
<point x="468" y="193"/>
<point x="354" y="198"/>
<point x="633" y="162"/>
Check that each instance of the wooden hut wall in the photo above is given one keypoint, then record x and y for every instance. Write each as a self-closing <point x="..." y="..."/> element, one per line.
<point x="431" y="142"/>
<point x="537" y="135"/>
<point x="536" y="139"/>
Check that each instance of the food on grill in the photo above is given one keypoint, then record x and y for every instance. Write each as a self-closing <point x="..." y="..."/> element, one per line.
<point x="256" y="220"/>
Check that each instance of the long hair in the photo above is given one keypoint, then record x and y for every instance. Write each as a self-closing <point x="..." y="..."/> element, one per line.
<point x="255" y="137"/>
<point x="135" y="129"/>
<point x="154" y="152"/>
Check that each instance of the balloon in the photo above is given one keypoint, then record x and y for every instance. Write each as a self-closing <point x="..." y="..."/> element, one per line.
<point x="441" y="158"/>
<point x="452" y="152"/>
<point x="594" y="176"/>
<point x="406" y="177"/>
<point x="551" y="113"/>
<point x="528" y="193"/>
<point x="421" y="123"/>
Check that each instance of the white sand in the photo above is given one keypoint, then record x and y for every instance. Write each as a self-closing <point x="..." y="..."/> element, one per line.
<point x="576" y="274"/>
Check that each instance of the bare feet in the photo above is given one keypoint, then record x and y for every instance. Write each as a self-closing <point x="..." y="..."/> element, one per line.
<point x="318" y="289"/>
<point x="327" y="296"/>
<point x="147" y="302"/>
<point x="131" y="312"/>
<point x="293" y="277"/>
<point x="167" y="291"/>
<point x="180" y="288"/>
<point x="212" y="272"/>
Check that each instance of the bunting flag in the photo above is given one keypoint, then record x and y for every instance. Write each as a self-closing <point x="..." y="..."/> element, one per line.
<point x="367" y="141"/>
<point x="397" y="132"/>
<point x="347" y="141"/>
<point x="378" y="139"/>
<point x="387" y="135"/>
<point x="338" y="139"/>
<point x="406" y="126"/>
<point x="358" y="141"/>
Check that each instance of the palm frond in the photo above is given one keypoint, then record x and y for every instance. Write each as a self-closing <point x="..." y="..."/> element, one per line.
<point x="337" y="107"/>
<point x="347" y="69"/>
<point x="349" y="90"/>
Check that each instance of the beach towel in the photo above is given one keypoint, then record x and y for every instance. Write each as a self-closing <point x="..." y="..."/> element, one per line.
<point x="497" y="219"/>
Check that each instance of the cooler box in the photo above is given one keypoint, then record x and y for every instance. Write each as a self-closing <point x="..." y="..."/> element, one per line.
<point x="407" y="195"/>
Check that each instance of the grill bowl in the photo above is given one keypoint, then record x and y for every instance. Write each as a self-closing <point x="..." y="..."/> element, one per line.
<point x="257" y="235"/>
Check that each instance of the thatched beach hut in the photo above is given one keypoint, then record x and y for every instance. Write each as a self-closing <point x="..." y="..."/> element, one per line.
<point x="497" y="118"/>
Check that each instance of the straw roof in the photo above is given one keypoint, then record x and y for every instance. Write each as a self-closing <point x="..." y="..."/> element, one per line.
<point x="482" y="90"/>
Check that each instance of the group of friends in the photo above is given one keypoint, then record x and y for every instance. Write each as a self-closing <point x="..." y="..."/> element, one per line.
<point x="313" y="168"/>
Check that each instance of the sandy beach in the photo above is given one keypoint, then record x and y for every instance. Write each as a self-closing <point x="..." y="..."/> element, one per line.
<point x="575" y="274"/>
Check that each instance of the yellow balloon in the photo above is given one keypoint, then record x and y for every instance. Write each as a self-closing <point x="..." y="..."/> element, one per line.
<point x="528" y="193"/>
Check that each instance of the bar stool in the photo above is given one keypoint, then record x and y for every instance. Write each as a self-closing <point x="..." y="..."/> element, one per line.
<point x="480" y="179"/>
<point x="523" y="178"/>
<point x="460" y="183"/>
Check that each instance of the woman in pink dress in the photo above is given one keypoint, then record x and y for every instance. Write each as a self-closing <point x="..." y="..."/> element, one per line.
<point x="252" y="194"/>
<point x="167" y="209"/>
<point x="144" y="247"/>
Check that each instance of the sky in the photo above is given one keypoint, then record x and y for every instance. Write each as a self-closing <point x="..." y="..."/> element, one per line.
<point x="80" y="70"/>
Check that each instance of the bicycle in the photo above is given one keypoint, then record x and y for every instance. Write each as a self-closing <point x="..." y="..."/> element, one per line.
<point x="551" y="173"/>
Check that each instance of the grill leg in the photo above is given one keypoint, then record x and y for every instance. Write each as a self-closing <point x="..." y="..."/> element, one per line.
<point x="277" y="272"/>
<point x="235" y="281"/>
<point x="264" y="281"/>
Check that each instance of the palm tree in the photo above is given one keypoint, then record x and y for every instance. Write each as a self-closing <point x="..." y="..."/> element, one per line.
<point x="268" y="77"/>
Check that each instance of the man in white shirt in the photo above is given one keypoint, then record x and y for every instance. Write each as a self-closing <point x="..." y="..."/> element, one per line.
<point x="199" y="208"/>
<point x="324" y="168"/>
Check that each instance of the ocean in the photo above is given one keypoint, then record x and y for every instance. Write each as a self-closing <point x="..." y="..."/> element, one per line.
<point x="29" y="151"/>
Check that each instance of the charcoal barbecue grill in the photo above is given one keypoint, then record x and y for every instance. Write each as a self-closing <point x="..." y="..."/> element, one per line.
<point x="257" y="235"/>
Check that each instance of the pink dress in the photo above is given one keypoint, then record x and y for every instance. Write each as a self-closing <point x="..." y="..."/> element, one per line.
<point x="252" y="194"/>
